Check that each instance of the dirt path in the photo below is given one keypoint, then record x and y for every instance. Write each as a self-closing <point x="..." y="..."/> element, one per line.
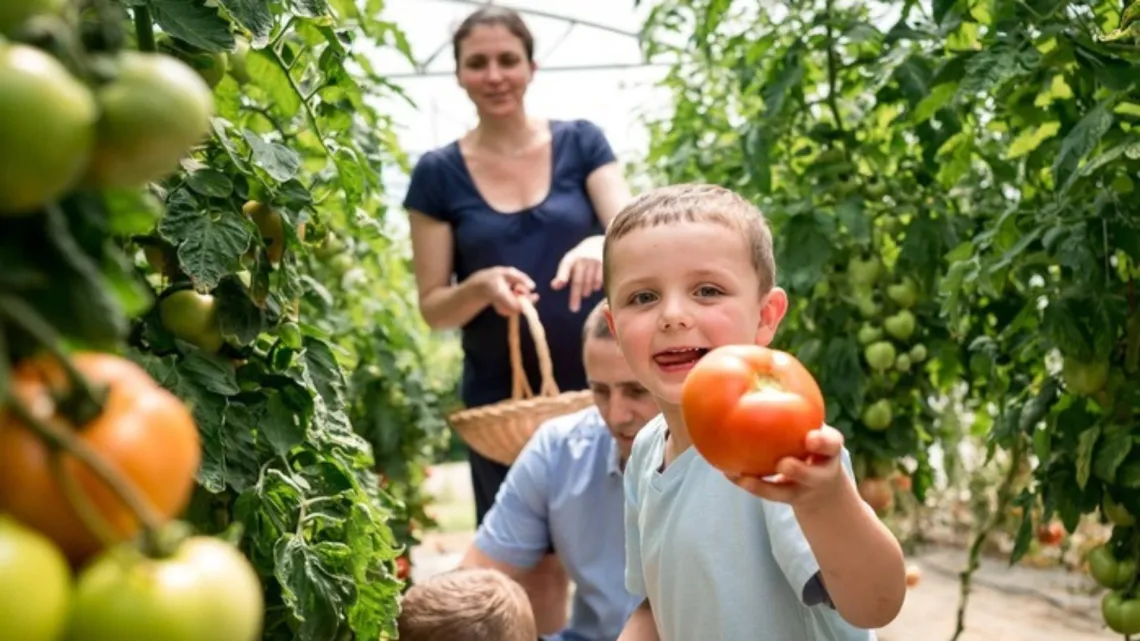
<point x="1007" y="604"/>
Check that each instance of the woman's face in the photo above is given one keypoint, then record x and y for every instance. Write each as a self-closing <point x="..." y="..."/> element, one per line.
<point x="494" y="70"/>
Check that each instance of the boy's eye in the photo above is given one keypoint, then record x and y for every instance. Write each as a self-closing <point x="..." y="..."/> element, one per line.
<point x="708" y="290"/>
<point x="641" y="298"/>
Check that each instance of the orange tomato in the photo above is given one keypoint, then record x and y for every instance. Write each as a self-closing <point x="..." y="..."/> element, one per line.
<point x="403" y="568"/>
<point x="144" y="432"/>
<point x="913" y="575"/>
<point x="747" y="407"/>
<point x="877" y="493"/>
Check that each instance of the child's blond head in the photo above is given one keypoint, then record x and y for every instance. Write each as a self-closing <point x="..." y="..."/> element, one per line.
<point x="467" y="605"/>
<point x="689" y="203"/>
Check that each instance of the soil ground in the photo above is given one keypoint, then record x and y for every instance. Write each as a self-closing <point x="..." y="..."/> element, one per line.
<point x="1006" y="604"/>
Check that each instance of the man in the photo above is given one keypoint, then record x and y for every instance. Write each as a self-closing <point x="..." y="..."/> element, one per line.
<point x="565" y="491"/>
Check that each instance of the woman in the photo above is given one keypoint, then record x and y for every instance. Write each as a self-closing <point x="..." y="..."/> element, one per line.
<point x="517" y="206"/>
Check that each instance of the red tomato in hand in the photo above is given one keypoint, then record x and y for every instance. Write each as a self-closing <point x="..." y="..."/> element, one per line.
<point x="747" y="407"/>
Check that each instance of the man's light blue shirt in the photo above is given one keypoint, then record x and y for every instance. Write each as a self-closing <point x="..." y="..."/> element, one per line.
<point x="565" y="489"/>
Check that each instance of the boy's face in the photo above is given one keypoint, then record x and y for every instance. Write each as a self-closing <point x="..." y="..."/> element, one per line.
<point x="677" y="291"/>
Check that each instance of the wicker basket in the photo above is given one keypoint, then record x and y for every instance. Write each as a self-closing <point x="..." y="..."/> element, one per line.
<point x="499" y="431"/>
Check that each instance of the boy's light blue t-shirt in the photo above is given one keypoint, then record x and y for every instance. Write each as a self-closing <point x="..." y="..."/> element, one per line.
<point x="717" y="563"/>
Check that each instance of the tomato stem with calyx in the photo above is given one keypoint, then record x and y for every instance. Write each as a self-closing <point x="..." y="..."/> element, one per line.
<point x="86" y="400"/>
<point x="66" y="440"/>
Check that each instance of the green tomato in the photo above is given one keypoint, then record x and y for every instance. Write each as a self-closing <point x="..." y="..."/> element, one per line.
<point x="205" y="590"/>
<point x="902" y="363"/>
<point x="35" y="584"/>
<point x="869" y="334"/>
<point x="880" y="355"/>
<point x="14" y="13"/>
<point x="901" y="325"/>
<point x="1116" y="513"/>
<point x="863" y="273"/>
<point x="1109" y="571"/>
<point x="1084" y="379"/>
<point x="904" y="294"/>
<point x="877" y="416"/>
<point x="192" y="317"/>
<point x="868" y="308"/>
<point x="1120" y="613"/>
<point x="918" y="353"/>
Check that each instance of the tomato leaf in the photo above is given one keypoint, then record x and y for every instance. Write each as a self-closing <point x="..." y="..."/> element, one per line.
<point x="1085" y="449"/>
<point x="279" y="161"/>
<point x="1079" y="142"/>
<point x="1113" y="449"/>
<point x="193" y="21"/>
<point x="254" y="15"/>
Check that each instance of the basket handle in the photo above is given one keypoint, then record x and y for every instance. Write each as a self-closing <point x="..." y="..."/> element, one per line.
<point x="520" y="387"/>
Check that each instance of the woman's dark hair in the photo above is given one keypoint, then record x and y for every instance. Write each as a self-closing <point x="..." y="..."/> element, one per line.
<point x="490" y="16"/>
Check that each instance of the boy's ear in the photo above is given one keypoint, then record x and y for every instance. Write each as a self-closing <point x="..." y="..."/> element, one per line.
<point x="772" y="310"/>
<point x="608" y="313"/>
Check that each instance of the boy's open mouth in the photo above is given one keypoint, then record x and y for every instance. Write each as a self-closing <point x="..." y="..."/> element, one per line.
<point x="680" y="356"/>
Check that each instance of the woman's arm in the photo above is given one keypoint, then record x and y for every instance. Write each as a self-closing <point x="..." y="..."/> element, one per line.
<point x="446" y="306"/>
<point x="640" y="626"/>
<point x="608" y="191"/>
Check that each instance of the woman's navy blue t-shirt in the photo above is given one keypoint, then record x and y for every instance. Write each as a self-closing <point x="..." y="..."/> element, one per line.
<point x="533" y="240"/>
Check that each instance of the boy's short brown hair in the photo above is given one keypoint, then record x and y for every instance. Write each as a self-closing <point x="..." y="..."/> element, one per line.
<point x="695" y="202"/>
<point x="474" y="604"/>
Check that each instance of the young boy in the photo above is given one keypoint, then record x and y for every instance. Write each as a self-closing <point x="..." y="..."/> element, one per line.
<point x="467" y="605"/>
<point x="796" y="558"/>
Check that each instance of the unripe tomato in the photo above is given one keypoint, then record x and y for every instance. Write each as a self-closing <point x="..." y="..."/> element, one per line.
<point x="47" y="128"/>
<point x="747" y="407"/>
<point x="13" y="13"/>
<point x="154" y="111"/>
<point x="205" y="591"/>
<point x="1109" y="571"/>
<point x="144" y="432"/>
<point x="1122" y="614"/>
<point x="35" y="584"/>
<point x="192" y="317"/>
<point x="1084" y="379"/>
<point x="880" y="355"/>
<point x="901" y="325"/>
<point x="877" y="416"/>
<point x="271" y="226"/>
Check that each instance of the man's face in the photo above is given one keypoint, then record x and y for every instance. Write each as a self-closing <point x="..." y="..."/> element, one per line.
<point x="625" y="405"/>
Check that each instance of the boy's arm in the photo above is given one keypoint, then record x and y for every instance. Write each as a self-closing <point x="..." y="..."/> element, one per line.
<point x="640" y="626"/>
<point x="860" y="560"/>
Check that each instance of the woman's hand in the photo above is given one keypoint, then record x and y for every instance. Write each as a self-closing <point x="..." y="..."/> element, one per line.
<point x="502" y="287"/>
<point x="581" y="267"/>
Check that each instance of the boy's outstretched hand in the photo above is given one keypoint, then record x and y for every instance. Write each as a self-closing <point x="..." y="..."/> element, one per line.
<point x="801" y="483"/>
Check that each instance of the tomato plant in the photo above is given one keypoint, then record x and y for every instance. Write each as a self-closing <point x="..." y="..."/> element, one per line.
<point x="748" y="407"/>
<point x="185" y="237"/>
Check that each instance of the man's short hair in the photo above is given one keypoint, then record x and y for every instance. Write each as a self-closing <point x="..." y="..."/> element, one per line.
<point x="596" y="326"/>
<point x="475" y="604"/>
<point x="693" y="202"/>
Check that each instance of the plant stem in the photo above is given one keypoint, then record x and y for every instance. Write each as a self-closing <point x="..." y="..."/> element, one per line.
<point x="65" y="440"/>
<point x="144" y="28"/>
<point x="80" y="502"/>
<point x="832" y="66"/>
<point x="86" y="400"/>
<point x="1005" y="495"/>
